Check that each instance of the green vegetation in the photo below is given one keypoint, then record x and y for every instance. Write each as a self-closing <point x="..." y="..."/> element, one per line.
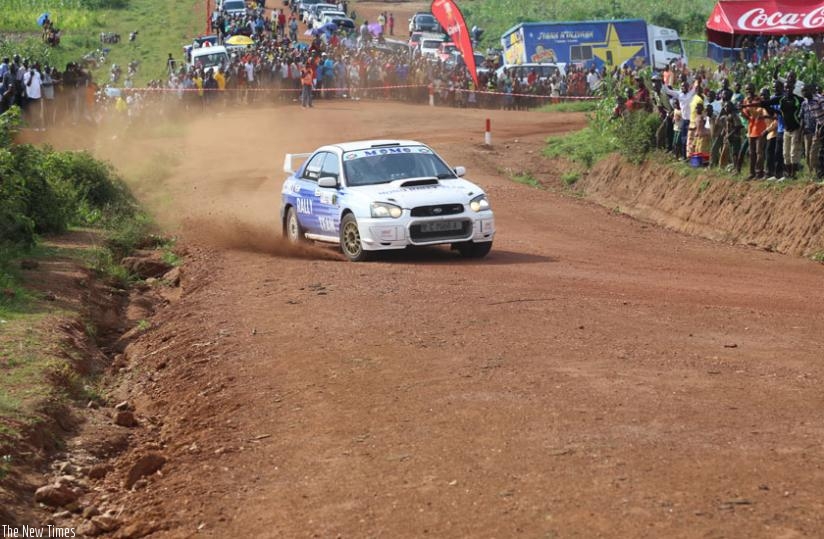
<point x="162" y="27"/>
<point x="526" y="178"/>
<point x="44" y="191"/>
<point x="589" y="105"/>
<point x="570" y="178"/>
<point x="818" y="257"/>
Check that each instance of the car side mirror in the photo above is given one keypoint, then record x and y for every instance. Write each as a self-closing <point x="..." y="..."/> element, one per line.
<point x="460" y="171"/>
<point x="328" y="181"/>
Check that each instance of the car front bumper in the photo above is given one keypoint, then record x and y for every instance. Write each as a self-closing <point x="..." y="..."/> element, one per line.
<point x="382" y="234"/>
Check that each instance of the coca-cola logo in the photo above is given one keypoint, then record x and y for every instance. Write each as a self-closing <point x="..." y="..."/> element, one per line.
<point x="759" y="19"/>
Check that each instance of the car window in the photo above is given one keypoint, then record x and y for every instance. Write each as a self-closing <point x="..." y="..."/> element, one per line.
<point x="331" y="166"/>
<point x="313" y="167"/>
<point x="384" y="165"/>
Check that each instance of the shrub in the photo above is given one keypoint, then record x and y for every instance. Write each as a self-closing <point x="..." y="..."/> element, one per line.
<point x="636" y="135"/>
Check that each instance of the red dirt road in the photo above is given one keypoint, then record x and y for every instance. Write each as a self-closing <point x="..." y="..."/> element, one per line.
<point x="594" y="376"/>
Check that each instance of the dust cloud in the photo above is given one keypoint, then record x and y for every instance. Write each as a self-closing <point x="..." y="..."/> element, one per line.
<point x="251" y="237"/>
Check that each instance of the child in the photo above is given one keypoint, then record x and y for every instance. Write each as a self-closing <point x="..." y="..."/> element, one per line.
<point x="677" y="116"/>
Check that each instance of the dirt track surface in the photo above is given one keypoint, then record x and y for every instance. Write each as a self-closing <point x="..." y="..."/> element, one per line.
<point x="594" y="376"/>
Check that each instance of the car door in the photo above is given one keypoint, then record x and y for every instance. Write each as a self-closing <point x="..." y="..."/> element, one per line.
<point x="307" y="185"/>
<point x="326" y="203"/>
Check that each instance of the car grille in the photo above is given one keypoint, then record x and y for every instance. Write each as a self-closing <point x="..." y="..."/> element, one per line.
<point x="438" y="210"/>
<point x="417" y="232"/>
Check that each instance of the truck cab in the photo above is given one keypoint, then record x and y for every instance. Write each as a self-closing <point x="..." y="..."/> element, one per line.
<point x="665" y="46"/>
<point x="208" y="57"/>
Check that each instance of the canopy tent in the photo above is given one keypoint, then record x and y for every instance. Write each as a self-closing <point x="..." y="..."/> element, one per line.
<point x="732" y="19"/>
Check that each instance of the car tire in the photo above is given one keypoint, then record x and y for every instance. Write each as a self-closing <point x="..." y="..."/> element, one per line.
<point x="470" y="249"/>
<point x="291" y="228"/>
<point x="350" y="241"/>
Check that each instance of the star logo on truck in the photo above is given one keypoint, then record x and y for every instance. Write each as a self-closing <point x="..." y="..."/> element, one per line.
<point x="612" y="51"/>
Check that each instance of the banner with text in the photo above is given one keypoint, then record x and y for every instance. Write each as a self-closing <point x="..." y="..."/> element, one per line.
<point x="450" y="17"/>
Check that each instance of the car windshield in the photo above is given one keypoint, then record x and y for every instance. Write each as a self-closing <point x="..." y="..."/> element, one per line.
<point x="211" y="60"/>
<point x="232" y="5"/>
<point x="425" y="19"/>
<point x="384" y="165"/>
<point x="430" y="44"/>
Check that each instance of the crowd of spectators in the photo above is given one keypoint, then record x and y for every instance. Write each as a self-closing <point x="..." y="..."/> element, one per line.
<point x="774" y="133"/>
<point x="704" y="116"/>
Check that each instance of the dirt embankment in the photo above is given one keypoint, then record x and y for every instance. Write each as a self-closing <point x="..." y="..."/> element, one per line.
<point x="786" y="220"/>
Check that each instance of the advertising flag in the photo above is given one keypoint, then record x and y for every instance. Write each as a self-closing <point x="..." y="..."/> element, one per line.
<point x="451" y="19"/>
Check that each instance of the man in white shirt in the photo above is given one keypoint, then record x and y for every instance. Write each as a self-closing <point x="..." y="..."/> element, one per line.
<point x="684" y="98"/>
<point x="33" y="84"/>
<point x="593" y="81"/>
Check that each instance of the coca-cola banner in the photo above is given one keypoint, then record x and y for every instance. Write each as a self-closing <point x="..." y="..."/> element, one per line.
<point x="791" y="17"/>
<point x="451" y="19"/>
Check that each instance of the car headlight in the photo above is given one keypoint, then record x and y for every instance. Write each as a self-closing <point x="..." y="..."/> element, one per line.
<point x="384" y="209"/>
<point x="479" y="203"/>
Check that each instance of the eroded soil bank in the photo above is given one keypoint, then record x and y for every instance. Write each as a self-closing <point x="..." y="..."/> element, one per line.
<point x="785" y="219"/>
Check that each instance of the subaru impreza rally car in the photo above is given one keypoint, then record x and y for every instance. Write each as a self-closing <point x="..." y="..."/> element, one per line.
<point x="383" y="194"/>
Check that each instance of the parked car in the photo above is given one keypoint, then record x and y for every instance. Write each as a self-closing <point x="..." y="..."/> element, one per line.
<point x="430" y="46"/>
<point x="378" y="195"/>
<point x="233" y="7"/>
<point x="312" y="13"/>
<point x="325" y="17"/>
<point x="424" y="22"/>
<point x="343" y="23"/>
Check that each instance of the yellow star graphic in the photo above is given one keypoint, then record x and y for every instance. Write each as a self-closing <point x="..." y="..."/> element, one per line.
<point x="612" y="51"/>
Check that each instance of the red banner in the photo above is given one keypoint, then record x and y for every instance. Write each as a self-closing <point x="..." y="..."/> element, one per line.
<point x="768" y="17"/>
<point x="446" y="12"/>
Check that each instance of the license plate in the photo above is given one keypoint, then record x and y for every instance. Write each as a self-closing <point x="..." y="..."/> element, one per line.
<point x="441" y="226"/>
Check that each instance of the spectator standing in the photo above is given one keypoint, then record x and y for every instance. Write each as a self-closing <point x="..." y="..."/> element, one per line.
<point x="34" y="93"/>
<point x="809" y="125"/>
<point x="731" y="128"/>
<point x="684" y="98"/>
<point x="757" y="126"/>
<point x="306" y="80"/>
<point x="48" y="97"/>
<point x="391" y="24"/>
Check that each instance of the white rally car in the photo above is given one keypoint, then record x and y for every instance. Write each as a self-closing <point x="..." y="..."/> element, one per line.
<point x="383" y="194"/>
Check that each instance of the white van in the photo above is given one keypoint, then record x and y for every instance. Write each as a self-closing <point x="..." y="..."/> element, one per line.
<point x="207" y="57"/>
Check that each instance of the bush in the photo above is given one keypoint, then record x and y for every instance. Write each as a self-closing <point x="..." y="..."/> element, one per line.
<point x="636" y="135"/>
<point x="45" y="191"/>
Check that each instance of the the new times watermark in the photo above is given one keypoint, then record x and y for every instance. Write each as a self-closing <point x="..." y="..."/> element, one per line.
<point x="35" y="531"/>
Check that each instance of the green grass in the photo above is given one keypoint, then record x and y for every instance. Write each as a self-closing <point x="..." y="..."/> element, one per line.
<point x="570" y="178"/>
<point x="586" y="146"/>
<point x="163" y="26"/>
<point x="68" y="15"/>
<point x="526" y="178"/>
<point x="818" y="257"/>
<point x="571" y="106"/>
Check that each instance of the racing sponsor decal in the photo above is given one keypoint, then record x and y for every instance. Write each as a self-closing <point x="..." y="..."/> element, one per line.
<point x="304" y="206"/>
<point x="375" y="152"/>
<point x="327" y="224"/>
<point x="327" y="197"/>
<point x="438" y="186"/>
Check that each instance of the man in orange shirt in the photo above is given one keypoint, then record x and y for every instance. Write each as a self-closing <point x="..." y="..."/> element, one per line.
<point x="307" y="76"/>
<point x="757" y="117"/>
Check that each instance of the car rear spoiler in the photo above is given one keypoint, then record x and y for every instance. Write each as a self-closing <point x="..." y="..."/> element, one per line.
<point x="287" y="161"/>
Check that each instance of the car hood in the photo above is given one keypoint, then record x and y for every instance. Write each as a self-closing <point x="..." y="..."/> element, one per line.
<point x="421" y="192"/>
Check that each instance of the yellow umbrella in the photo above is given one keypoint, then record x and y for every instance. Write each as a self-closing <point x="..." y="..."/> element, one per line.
<point x="240" y="40"/>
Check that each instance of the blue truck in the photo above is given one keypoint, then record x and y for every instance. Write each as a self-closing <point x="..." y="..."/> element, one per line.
<point x="597" y="44"/>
